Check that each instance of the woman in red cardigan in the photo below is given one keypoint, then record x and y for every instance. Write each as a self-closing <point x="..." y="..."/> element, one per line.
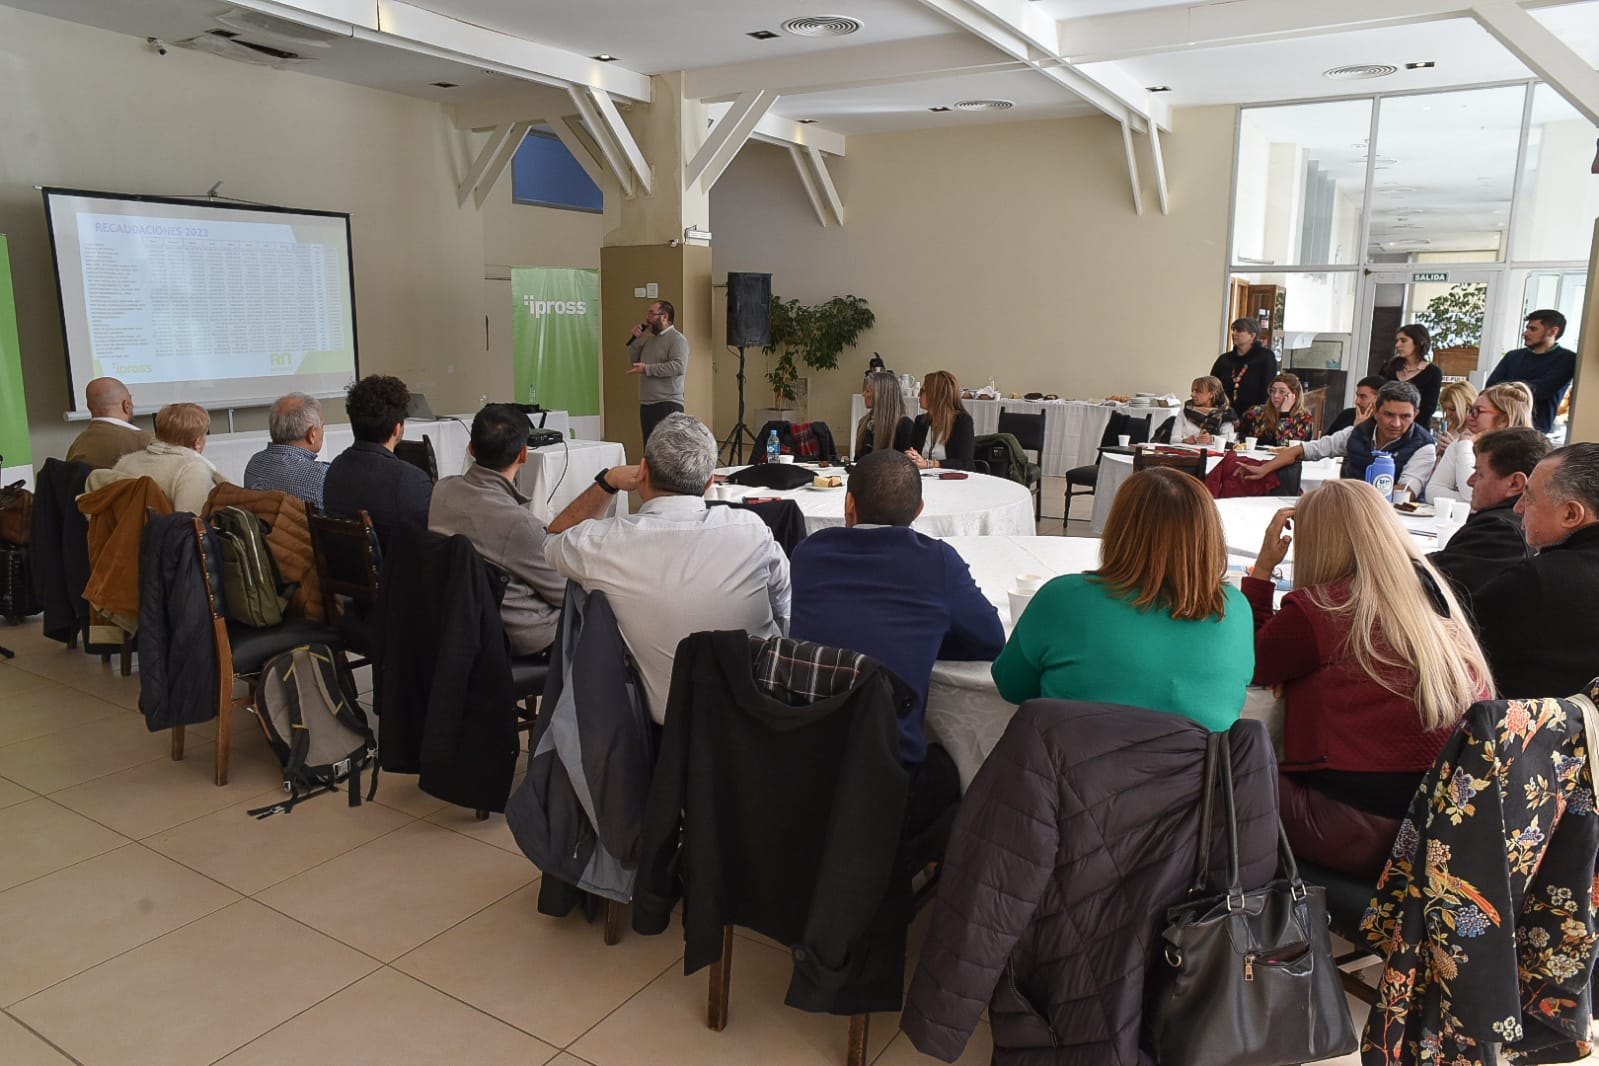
<point x="1376" y="664"/>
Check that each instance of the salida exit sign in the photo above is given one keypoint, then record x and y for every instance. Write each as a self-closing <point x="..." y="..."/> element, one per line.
<point x="1435" y="275"/>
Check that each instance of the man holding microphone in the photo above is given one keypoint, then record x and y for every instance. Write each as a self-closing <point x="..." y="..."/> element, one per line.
<point x="660" y="355"/>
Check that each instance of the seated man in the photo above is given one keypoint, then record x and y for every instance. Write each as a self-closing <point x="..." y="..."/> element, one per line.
<point x="1536" y="620"/>
<point x="1393" y="430"/>
<point x="111" y="433"/>
<point x="879" y="587"/>
<point x="173" y="460"/>
<point x="368" y="476"/>
<point x="289" y="464"/>
<point x="673" y="567"/>
<point x="1491" y="539"/>
<point x="1365" y="404"/>
<point x="484" y="506"/>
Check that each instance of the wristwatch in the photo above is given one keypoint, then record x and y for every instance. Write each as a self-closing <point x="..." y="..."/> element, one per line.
<point x="599" y="479"/>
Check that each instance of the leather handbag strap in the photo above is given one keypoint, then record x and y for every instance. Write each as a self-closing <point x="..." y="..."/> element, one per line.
<point x="1235" y="889"/>
<point x="1207" y="815"/>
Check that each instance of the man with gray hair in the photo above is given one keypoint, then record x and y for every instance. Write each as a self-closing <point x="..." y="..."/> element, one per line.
<point x="1536" y="620"/>
<point x="1393" y="429"/>
<point x="290" y="463"/>
<point x="675" y="566"/>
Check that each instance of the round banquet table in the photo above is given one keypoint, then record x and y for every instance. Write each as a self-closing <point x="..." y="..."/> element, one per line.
<point x="1244" y="521"/>
<point x="1115" y="468"/>
<point x="965" y="713"/>
<point x="977" y="505"/>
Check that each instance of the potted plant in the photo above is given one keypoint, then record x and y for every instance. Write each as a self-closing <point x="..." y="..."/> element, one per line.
<point x="815" y="335"/>
<point x="1454" y="321"/>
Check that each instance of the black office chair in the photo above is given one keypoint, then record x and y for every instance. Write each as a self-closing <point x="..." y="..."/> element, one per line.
<point x="1028" y="429"/>
<point x="1087" y="477"/>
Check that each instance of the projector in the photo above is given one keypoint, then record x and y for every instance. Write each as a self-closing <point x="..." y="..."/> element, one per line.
<point x="543" y="438"/>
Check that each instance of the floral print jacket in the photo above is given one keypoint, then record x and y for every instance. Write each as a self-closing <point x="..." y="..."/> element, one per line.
<point x="1485" y="911"/>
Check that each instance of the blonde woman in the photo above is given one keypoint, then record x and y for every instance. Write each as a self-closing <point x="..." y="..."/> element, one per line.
<point x="1376" y="662"/>
<point x="1497" y="407"/>
<point x="173" y="460"/>
<point x="1155" y="626"/>
<point x="1206" y="417"/>
<point x="886" y="425"/>
<point x="943" y="435"/>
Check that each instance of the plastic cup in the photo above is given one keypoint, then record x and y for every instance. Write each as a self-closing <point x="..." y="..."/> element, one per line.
<point x="1125" y="439"/>
<point x="1029" y="583"/>
<point x="1249" y="443"/>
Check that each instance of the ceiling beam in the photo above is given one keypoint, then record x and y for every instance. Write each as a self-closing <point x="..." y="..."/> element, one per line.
<point x="803" y="166"/>
<point x="535" y="102"/>
<point x="604" y="138"/>
<point x="502" y="159"/>
<point x="474" y="174"/>
<point x="1530" y="41"/>
<point x="824" y="181"/>
<point x="585" y="152"/>
<point x="729" y="135"/>
<point x="1097" y="38"/>
<point x="849" y="68"/>
<point x="1132" y="168"/>
<point x="775" y="129"/>
<point x="334" y="16"/>
<point x="1160" y="167"/>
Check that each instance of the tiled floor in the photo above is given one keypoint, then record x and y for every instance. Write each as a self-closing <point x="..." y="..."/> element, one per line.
<point x="146" y="918"/>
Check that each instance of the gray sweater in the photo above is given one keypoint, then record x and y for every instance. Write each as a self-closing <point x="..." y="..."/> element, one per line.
<point x="665" y="359"/>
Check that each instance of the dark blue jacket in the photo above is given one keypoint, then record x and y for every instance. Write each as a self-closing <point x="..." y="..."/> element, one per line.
<point x="368" y="477"/>
<point x="1362" y="448"/>
<point x="898" y="596"/>
<point x="1547" y="375"/>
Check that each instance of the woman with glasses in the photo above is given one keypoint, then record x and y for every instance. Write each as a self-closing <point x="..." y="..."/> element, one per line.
<point x="943" y="434"/>
<point x="1496" y="407"/>
<point x="1283" y="419"/>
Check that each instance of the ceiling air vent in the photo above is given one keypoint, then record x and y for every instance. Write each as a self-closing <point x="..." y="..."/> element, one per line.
<point x="1360" y="71"/>
<point x="229" y="45"/>
<point x="246" y="21"/>
<point x="821" y="26"/>
<point x="984" y="105"/>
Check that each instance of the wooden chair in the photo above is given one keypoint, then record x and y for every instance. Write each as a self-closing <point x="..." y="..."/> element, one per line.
<point x="1028" y="429"/>
<point x="345" y="550"/>
<point x="241" y="653"/>
<point x="420" y="454"/>
<point x="1195" y="463"/>
<point x="1087" y="477"/>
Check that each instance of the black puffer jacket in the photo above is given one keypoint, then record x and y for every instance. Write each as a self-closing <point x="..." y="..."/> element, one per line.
<point x="178" y="668"/>
<point x="1077" y="833"/>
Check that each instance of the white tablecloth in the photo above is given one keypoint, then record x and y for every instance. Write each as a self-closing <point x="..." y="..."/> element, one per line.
<point x="1072" y="428"/>
<point x="557" y="474"/>
<point x="965" y="713"/>
<point x="1244" y="521"/>
<point x="976" y="505"/>
<point x="1115" y="469"/>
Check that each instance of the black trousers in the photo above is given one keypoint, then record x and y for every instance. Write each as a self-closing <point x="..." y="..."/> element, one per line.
<point x="650" y="415"/>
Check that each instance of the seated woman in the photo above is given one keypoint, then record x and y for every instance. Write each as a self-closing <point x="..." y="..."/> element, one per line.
<point x="943" y="435"/>
<point x="1497" y="407"/>
<point x="1155" y="626"/>
<point x="1283" y="419"/>
<point x="1376" y="663"/>
<point x="886" y="424"/>
<point x="1206" y="418"/>
<point x="173" y="460"/>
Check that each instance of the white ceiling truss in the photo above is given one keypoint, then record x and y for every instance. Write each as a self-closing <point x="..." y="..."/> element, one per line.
<point x="915" y="53"/>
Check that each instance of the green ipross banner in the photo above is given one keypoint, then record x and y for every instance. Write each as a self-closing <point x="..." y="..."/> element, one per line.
<point x="556" y="311"/>
<point x="13" y="405"/>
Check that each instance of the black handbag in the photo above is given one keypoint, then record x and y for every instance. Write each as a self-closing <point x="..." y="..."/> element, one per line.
<point x="1245" y="978"/>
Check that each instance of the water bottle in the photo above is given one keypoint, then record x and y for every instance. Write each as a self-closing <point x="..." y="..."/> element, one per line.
<point x="532" y="396"/>
<point x="773" y="449"/>
<point x="1380" y="474"/>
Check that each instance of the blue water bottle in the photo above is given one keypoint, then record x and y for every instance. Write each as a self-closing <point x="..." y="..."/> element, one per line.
<point x="774" y="449"/>
<point x="1380" y="474"/>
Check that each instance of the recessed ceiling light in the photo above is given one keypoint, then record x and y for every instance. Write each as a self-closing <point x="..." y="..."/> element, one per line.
<point x="938" y="108"/>
<point x="604" y="57"/>
<point x="821" y="26"/>
<point x="1360" y="71"/>
<point x="444" y="85"/>
<point x="805" y="121"/>
<point x="984" y="105"/>
<point x="1157" y="89"/>
<point x="762" y="35"/>
<point x="1425" y="64"/>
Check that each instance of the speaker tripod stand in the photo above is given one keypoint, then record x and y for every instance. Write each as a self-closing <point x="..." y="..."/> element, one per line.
<point x="734" y="444"/>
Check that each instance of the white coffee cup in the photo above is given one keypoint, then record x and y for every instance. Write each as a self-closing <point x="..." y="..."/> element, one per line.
<point x="1446" y="510"/>
<point x="725" y="492"/>
<point x="1124" y="439"/>
<point x="1018" y="604"/>
<point x="1029" y="583"/>
<point x="1249" y="443"/>
<point x="785" y="458"/>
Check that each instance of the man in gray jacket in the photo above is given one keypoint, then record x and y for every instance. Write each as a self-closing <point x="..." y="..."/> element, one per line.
<point x="660" y="355"/>
<point x="485" y="506"/>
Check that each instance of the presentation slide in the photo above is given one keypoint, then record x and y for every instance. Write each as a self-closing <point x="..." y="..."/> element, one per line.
<point x="221" y="305"/>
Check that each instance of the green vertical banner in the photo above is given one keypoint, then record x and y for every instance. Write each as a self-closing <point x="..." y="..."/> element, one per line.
<point x="557" y="337"/>
<point x="16" y="456"/>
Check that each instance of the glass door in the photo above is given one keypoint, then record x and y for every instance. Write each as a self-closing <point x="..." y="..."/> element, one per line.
<point x="1455" y="304"/>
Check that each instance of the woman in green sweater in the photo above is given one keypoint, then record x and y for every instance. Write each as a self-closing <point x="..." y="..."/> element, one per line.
<point x="1155" y="626"/>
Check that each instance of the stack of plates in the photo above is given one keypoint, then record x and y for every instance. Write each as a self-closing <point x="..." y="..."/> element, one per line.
<point x="1143" y="399"/>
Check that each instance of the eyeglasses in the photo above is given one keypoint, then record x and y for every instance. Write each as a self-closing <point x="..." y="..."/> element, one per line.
<point x="1474" y="410"/>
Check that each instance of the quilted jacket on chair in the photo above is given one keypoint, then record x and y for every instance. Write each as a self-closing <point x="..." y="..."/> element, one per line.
<point x="1077" y="833"/>
<point x="288" y="538"/>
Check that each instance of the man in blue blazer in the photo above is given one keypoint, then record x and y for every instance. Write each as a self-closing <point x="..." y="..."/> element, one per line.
<point x="880" y="588"/>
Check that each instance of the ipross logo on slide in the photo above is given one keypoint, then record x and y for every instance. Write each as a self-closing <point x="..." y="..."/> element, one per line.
<point x="539" y="308"/>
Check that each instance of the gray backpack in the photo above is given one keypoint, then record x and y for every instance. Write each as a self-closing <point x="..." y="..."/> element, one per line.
<point x="310" y="716"/>
<point x="254" y="591"/>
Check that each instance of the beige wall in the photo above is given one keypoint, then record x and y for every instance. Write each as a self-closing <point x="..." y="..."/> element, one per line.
<point x="1009" y="251"/>
<point x="89" y="109"/>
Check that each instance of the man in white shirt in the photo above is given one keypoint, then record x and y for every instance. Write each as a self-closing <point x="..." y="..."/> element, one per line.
<point x="111" y="433"/>
<point x="674" y="567"/>
<point x="1393" y="430"/>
